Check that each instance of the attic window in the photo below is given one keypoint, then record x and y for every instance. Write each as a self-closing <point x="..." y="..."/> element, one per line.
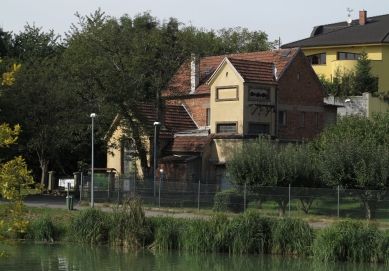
<point x="208" y="69"/>
<point x="286" y="53"/>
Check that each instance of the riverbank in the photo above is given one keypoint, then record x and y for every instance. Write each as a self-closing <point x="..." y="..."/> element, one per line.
<point x="251" y="232"/>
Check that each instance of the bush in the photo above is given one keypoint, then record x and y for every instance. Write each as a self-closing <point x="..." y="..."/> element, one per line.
<point x="229" y="201"/>
<point x="41" y="229"/>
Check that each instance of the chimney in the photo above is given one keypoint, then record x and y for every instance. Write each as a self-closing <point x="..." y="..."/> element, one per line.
<point x="362" y="17"/>
<point x="194" y="73"/>
<point x="274" y="73"/>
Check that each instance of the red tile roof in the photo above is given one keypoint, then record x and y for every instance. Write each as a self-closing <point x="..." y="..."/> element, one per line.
<point x="175" y="119"/>
<point x="180" y="83"/>
<point x="254" y="71"/>
<point x="188" y="144"/>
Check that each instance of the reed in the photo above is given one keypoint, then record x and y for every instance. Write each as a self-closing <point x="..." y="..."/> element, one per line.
<point x="249" y="233"/>
<point x="90" y="226"/>
<point x="166" y="232"/>
<point x="350" y="241"/>
<point x="41" y="229"/>
<point x="128" y="225"/>
<point x="291" y="236"/>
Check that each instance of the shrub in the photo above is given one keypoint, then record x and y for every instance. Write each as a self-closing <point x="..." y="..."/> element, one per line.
<point x="41" y="229"/>
<point x="229" y="201"/>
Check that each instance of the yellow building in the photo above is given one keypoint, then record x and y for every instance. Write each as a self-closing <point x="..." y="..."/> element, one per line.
<point x="338" y="45"/>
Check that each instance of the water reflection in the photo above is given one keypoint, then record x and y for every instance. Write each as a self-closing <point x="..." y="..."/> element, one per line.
<point x="47" y="257"/>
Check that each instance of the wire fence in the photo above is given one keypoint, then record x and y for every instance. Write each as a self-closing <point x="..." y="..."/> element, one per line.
<point x="287" y="201"/>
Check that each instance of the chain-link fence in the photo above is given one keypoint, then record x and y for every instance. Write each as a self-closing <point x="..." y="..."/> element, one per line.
<point x="287" y="201"/>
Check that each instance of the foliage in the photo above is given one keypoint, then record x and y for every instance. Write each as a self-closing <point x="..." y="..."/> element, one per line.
<point x="292" y="236"/>
<point x="41" y="229"/>
<point x="264" y="162"/>
<point x="128" y="224"/>
<point x="352" y="82"/>
<point x="229" y="201"/>
<point x="364" y="80"/>
<point x="354" y="155"/>
<point x="90" y="226"/>
<point x="350" y="241"/>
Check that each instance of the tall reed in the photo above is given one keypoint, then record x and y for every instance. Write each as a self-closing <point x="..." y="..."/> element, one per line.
<point x="90" y="226"/>
<point x="249" y="233"/>
<point x="291" y="236"/>
<point x="350" y="241"/>
<point x="41" y="229"/>
<point x="166" y="232"/>
<point x="128" y="224"/>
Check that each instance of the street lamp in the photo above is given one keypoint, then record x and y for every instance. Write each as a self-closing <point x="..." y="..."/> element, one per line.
<point x="93" y="115"/>
<point x="155" y="153"/>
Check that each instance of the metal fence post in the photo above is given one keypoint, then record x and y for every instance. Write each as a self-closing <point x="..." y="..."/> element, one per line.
<point x="198" y="198"/>
<point x="82" y="179"/>
<point x="244" y="196"/>
<point x="289" y="200"/>
<point x="159" y="189"/>
<point x="338" y="201"/>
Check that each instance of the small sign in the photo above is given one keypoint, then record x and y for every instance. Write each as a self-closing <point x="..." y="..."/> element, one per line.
<point x="64" y="183"/>
<point x="126" y="184"/>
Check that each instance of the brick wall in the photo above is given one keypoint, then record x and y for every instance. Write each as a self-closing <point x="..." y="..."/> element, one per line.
<point x="301" y="91"/>
<point x="196" y="105"/>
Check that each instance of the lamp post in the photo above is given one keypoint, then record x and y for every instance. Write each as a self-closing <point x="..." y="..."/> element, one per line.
<point x="155" y="154"/>
<point x="93" y="115"/>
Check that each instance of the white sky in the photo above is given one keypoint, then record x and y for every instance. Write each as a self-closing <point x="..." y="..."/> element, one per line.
<point x="290" y="19"/>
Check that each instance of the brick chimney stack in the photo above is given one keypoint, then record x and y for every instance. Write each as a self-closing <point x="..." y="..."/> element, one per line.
<point x="362" y="17"/>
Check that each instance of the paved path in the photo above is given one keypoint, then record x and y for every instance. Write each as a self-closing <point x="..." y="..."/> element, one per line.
<point x="57" y="202"/>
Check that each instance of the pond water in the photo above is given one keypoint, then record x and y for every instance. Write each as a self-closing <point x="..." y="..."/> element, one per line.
<point x="70" y="257"/>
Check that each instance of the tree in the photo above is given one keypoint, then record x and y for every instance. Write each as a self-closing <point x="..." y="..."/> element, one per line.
<point x="267" y="164"/>
<point x="14" y="175"/>
<point x="352" y="82"/>
<point x="354" y="155"/>
<point x="364" y="80"/>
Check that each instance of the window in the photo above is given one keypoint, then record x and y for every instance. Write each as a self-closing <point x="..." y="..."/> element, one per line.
<point x="257" y="94"/>
<point x="226" y="128"/>
<point x="316" y="117"/>
<point x="303" y="119"/>
<point x="282" y="117"/>
<point x="258" y="128"/>
<point x="208" y="122"/>
<point x="127" y="155"/>
<point x="347" y="56"/>
<point x="318" y="59"/>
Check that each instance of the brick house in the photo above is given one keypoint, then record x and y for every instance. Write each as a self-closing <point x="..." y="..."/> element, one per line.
<point x="236" y="97"/>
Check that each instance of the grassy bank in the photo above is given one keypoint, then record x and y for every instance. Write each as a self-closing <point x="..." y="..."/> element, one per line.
<point x="248" y="232"/>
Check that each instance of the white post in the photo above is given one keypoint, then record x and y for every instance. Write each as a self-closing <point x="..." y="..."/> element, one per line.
<point x="93" y="115"/>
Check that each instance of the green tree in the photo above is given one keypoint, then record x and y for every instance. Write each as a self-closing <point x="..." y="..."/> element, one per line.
<point x="354" y="155"/>
<point x="352" y="82"/>
<point x="267" y="164"/>
<point x="364" y="80"/>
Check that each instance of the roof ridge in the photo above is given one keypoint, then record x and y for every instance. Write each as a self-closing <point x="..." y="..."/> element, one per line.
<point x="247" y="53"/>
<point x="250" y="60"/>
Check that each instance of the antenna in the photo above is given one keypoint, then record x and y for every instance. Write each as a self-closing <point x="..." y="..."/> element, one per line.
<point x="349" y="20"/>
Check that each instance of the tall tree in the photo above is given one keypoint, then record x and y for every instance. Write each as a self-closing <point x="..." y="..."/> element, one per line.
<point x="364" y="80"/>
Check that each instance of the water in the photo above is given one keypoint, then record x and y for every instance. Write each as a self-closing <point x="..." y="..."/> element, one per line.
<point x="70" y="257"/>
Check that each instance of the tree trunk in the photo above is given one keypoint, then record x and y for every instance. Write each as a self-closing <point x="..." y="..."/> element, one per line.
<point x="44" y="164"/>
<point x="282" y="202"/>
<point x="306" y="206"/>
<point x="371" y="206"/>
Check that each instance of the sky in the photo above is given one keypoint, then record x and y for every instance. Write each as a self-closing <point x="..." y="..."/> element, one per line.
<point x="290" y="20"/>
